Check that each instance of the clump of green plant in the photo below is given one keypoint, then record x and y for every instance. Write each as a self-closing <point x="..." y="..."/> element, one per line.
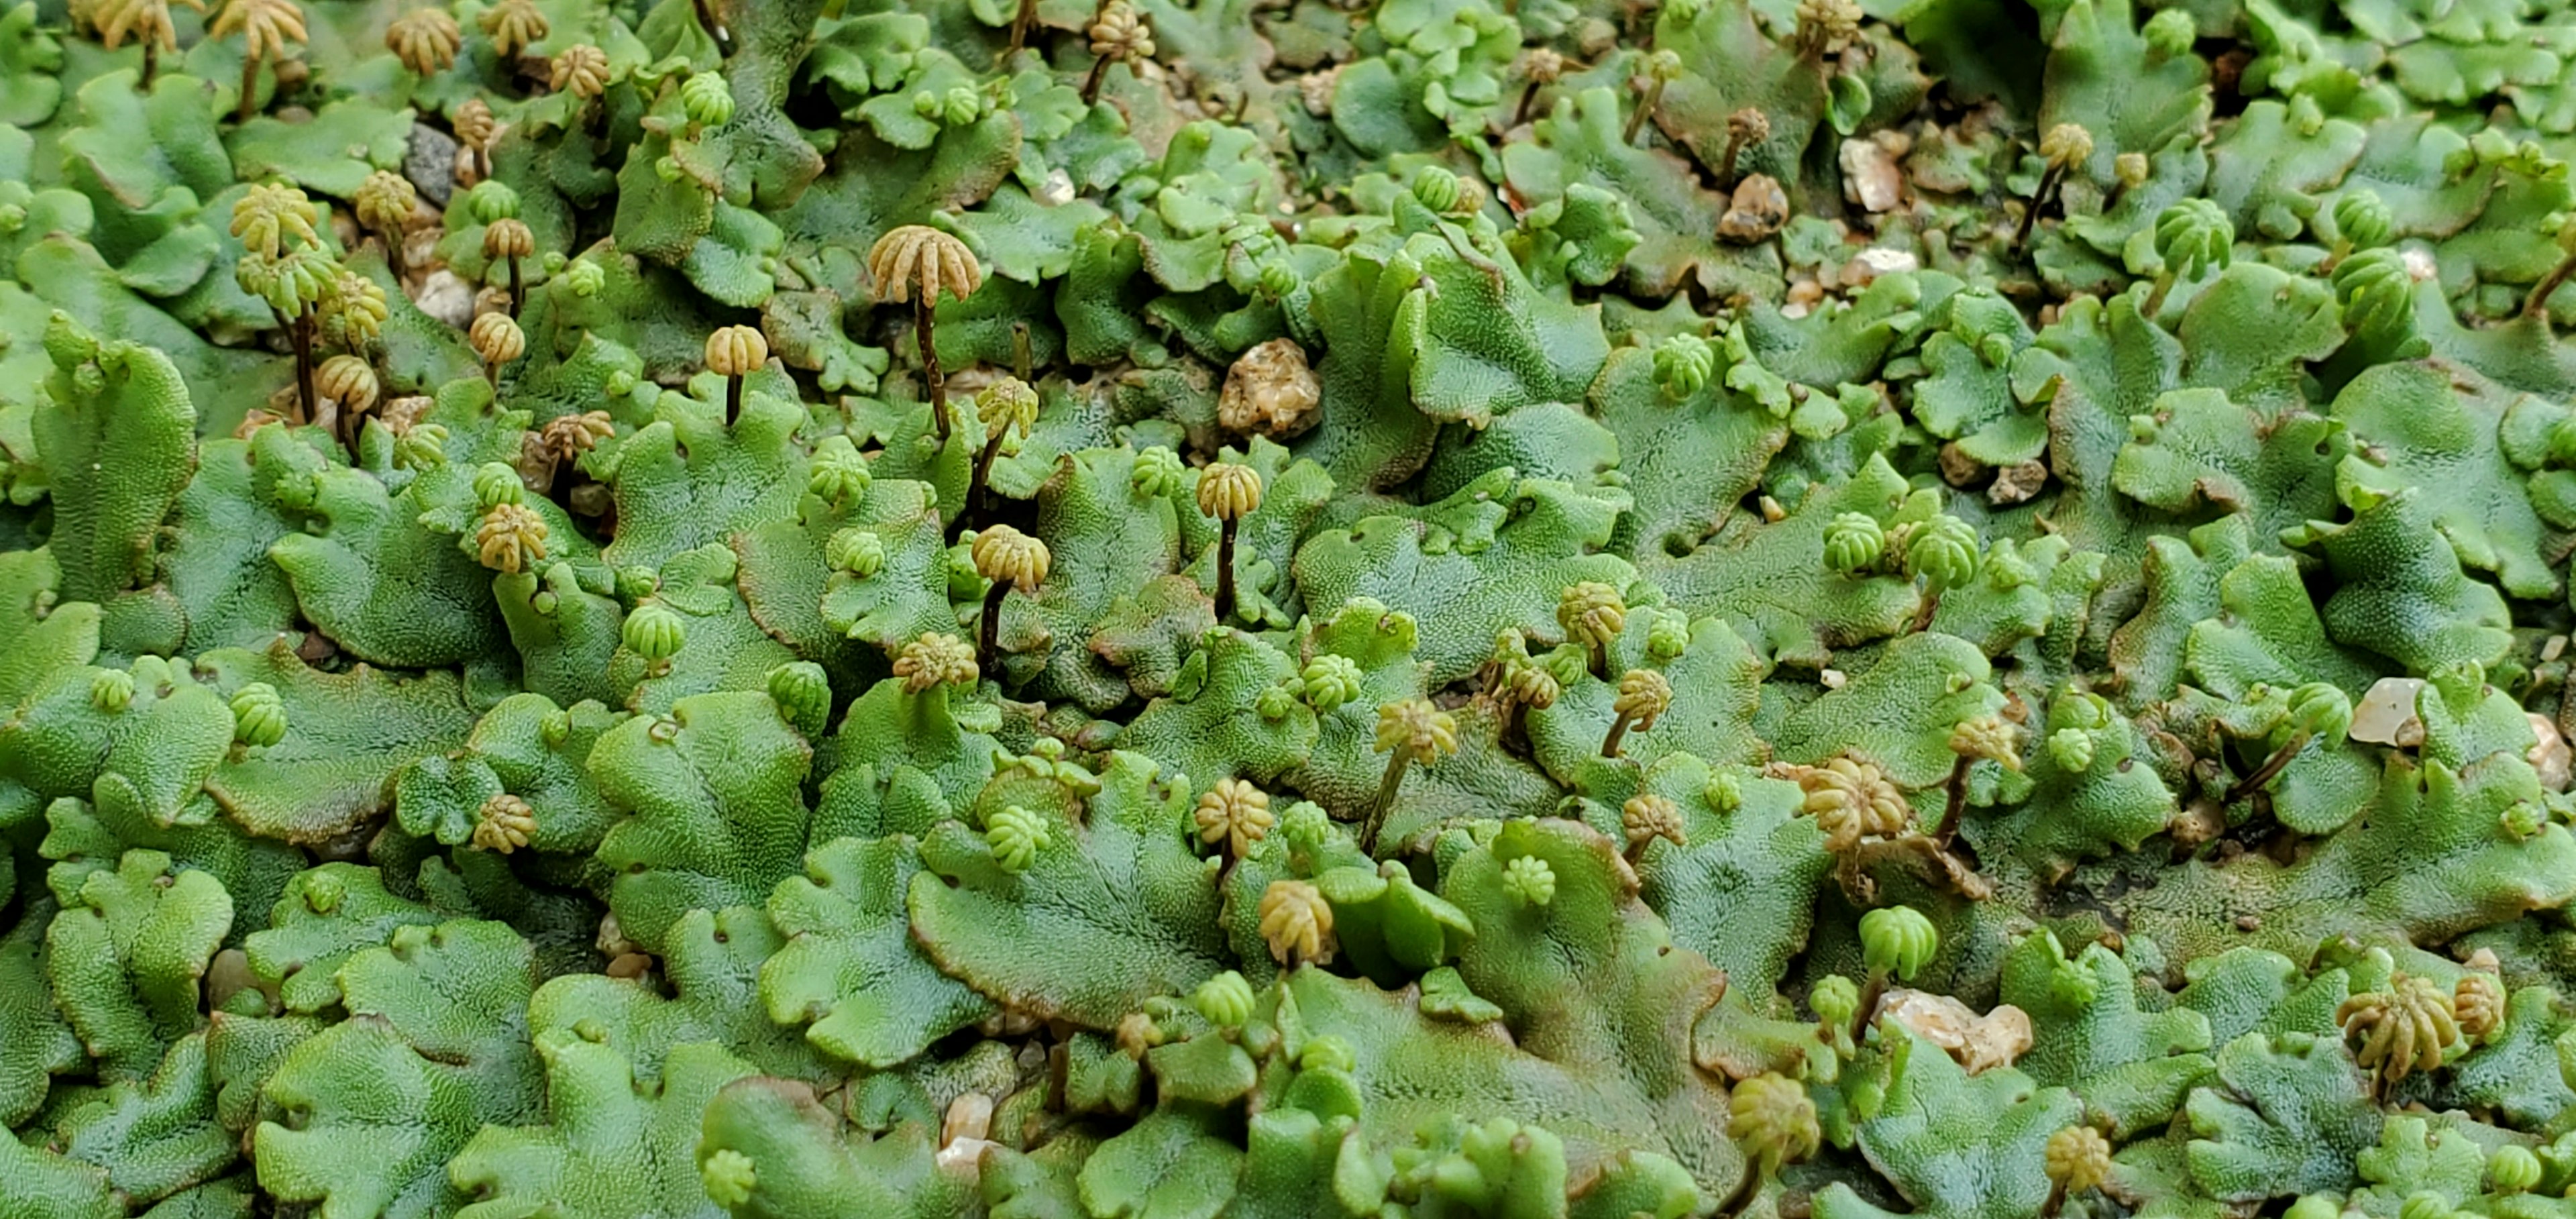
<point x="1413" y="610"/>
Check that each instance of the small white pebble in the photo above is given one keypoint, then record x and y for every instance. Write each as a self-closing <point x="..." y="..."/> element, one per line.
<point x="447" y="298"/>
<point x="2386" y="713"/>
<point x="2549" y="753"/>
<point x="961" y="1137"/>
<point x="970" y="1116"/>
<point x="1884" y="261"/>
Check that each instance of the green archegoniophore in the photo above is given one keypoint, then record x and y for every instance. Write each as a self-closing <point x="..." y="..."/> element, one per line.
<point x="1287" y="609"/>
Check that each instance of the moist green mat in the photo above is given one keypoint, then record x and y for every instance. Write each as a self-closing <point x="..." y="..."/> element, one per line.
<point x="1437" y="609"/>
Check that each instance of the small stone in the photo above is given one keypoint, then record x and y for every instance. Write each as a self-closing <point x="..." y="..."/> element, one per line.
<point x="230" y="974"/>
<point x="2386" y="713"/>
<point x="1756" y="212"/>
<point x="1977" y="1042"/>
<point x="611" y="940"/>
<point x="2015" y="484"/>
<point x="1883" y="261"/>
<point x="963" y="1159"/>
<point x="430" y="162"/>
<point x="1595" y="37"/>
<point x="1957" y="468"/>
<point x="420" y="246"/>
<point x="1870" y="176"/>
<point x="400" y="414"/>
<point x="1315" y="90"/>
<point x="1270" y="392"/>
<point x="447" y="298"/>
<point x="2549" y="753"/>
<point x="970" y="1116"/>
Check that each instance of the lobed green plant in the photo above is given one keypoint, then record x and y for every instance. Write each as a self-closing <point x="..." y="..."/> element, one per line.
<point x="1539" y="610"/>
